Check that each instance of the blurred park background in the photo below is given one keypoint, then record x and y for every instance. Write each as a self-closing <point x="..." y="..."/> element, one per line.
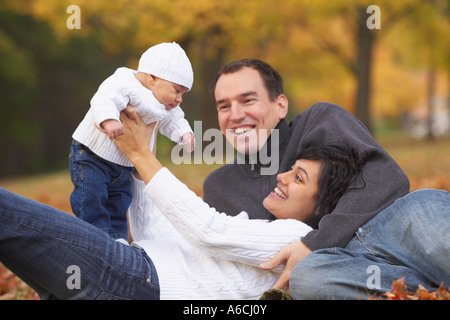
<point x="53" y="58"/>
<point x="55" y="53"/>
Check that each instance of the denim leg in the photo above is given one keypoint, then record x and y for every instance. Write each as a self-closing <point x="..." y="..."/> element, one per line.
<point x="102" y="191"/>
<point x="42" y="246"/>
<point x="410" y="238"/>
<point x="342" y="274"/>
<point x="119" y="200"/>
<point x="90" y="191"/>
<point x="415" y="232"/>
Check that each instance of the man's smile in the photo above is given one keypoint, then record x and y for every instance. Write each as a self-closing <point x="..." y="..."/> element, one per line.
<point x="242" y="129"/>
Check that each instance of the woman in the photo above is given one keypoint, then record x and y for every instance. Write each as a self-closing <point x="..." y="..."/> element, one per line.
<point x="185" y="250"/>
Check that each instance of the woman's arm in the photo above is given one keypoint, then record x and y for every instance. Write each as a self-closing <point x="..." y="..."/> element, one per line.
<point x="248" y="241"/>
<point x="135" y="144"/>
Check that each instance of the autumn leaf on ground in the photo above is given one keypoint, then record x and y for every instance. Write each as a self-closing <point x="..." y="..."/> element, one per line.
<point x="399" y="292"/>
<point x="12" y="288"/>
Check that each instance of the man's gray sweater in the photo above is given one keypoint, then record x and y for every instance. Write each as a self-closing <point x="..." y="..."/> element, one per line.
<point x="238" y="187"/>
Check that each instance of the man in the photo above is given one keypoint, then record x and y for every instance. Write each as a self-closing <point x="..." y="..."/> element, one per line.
<point x="250" y="102"/>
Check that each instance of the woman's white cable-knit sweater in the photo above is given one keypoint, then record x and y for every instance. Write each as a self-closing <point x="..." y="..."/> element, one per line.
<point x="200" y="253"/>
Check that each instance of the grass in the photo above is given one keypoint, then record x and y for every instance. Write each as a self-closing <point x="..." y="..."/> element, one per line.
<point x="427" y="165"/>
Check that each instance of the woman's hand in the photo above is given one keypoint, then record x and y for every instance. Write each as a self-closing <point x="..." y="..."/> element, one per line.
<point x="289" y="255"/>
<point x="135" y="143"/>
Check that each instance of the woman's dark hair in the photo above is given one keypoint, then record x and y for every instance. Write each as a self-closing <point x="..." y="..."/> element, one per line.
<point x="271" y="78"/>
<point x="341" y="166"/>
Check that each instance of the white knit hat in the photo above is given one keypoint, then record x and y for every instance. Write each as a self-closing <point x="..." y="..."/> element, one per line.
<point x="168" y="61"/>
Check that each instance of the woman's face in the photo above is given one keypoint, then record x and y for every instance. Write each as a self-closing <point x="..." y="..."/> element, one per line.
<point x="296" y="192"/>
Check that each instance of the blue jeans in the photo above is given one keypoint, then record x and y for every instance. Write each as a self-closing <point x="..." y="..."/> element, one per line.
<point x="63" y="257"/>
<point x="102" y="191"/>
<point x="410" y="239"/>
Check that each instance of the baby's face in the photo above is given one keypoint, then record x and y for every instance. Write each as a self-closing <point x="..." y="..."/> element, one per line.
<point x="168" y="93"/>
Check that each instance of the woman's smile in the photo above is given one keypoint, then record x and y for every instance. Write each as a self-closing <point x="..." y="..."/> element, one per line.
<point x="278" y="194"/>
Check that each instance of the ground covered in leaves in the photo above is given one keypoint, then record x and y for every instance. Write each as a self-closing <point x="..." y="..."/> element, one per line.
<point x="12" y="288"/>
<point x="399" y="291"/>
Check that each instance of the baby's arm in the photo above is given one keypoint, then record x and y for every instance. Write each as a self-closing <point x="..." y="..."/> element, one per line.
<point x="188" y="141"/>
<point x="111" y="98"/>
<point x="177" y="128"/>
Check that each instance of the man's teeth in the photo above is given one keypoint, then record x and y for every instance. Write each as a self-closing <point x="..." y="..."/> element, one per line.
<point x="242" y="130"/>
<point x="279" y="193"/>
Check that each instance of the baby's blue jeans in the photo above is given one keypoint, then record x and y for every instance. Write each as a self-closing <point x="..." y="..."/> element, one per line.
<point x="410" y="239"/>
<point x="102" y="191"/>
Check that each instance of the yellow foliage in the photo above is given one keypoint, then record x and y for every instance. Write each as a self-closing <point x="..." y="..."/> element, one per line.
<point x="311" y="43"/>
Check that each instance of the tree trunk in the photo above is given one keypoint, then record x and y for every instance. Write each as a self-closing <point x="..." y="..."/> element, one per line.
<point x="365" y="41"/>
<point x="208" y="68"/>
<point x="431" y="86"/>
<point x="200" y="104"/>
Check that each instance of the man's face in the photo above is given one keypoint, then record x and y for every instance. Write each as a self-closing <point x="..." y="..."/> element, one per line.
<point x="245" y="113"/>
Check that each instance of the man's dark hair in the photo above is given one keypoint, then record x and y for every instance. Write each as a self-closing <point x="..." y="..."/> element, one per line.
<point x="341" y="166"/>
<point x="271" y="78"/>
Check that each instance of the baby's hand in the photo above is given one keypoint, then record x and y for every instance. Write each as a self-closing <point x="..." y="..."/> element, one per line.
<point x="188" y="142"/>
<point x="113" y="128"/>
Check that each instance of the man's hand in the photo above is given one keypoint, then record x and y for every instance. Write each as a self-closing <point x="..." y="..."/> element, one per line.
<point x="290" y="255"/>
<point x="113" y="128"/>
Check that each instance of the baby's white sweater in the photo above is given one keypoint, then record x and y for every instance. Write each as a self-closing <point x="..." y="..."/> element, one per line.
<point x="200" y="253"/>
<point x="113" y="96"/>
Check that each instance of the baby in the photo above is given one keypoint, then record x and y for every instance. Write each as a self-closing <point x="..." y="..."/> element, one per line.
<point x="99" y="171"/>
